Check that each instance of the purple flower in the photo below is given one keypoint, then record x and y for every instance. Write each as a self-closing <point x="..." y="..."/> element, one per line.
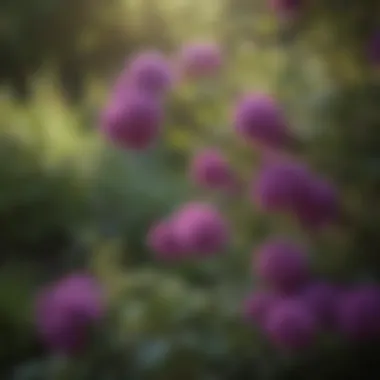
<point x="198" y="60"/>
<point x="291" y="326"/>
<point x="149" y="71"/>
<point x="259" y="119"/>
<point x="279" y="185"/>
<point x="321" y="298"/>
<point x="318" y="205"/>
<point x="282" y="265"/>
<point x="358" y="314"/>
<point x="201" y="228"/>
<point x="67" y="310"/>
<point x="134" y="121"/>
<point x="163" y="240"/>
<point x="257" y="306"/>
<point x="291" y="187"/>
<point x="210" y="169"/>
<point x="374" y="49"/>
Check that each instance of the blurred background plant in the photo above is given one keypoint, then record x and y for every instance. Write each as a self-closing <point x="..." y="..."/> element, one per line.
<point x="69" y="201"/>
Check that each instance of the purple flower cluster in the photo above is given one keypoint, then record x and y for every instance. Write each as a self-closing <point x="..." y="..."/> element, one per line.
<point x="195" y="230"/>
<point x="164" y="242"/>
<point x="285" y="186"/>
<point x="66" y="311"/>
<point x="293" y="321"/>
<point x="133" y="122"/>
<point x="149" y="71"/>
<point x="282" y="265"/>
<point x="260" y="120"/>
<point x="291" y="307"/>
<point x="133" y="118"/>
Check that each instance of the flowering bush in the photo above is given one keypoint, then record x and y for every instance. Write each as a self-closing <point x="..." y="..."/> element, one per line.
<point x="295" y="307"/>
<point x="197" y="323"/>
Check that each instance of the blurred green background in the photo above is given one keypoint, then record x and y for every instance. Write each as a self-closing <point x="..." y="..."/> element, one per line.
<point x="68" y="200"/>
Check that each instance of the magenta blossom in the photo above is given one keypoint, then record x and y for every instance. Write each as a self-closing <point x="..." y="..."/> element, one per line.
<point x="291" y="187"/>
<point x="201" y="228"/>
<point x="291" y="325"/>
<point x="279" y="185"/>
<point x="67" y="310"/>
<point x="282" y="265"/>
<point x="259" y="119"/>
<point x="134" y="121"/>
<point x="164" y="242"/>
<point x="150" y="71"/>
<point x="318" y="205"/>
